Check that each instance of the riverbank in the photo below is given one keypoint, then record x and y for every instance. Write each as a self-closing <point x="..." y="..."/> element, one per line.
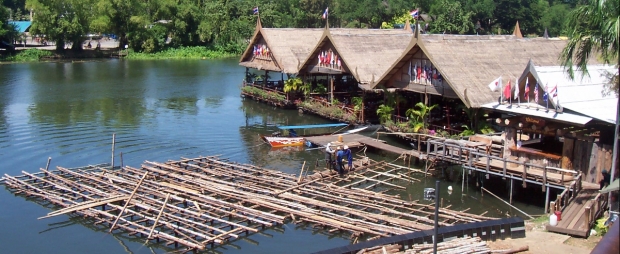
<point x="49" y="53"/>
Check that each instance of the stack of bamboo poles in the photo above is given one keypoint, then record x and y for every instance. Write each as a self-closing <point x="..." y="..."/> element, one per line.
<point x="208" y="200"/>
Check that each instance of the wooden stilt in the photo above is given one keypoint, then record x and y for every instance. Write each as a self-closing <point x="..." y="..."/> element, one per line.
<point x="120" y="214"/>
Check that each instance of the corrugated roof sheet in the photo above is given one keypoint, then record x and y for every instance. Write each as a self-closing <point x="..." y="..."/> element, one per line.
<point x="22" y="26"/>
<point x="565" y="117"/>
<point x="583" y="95"/>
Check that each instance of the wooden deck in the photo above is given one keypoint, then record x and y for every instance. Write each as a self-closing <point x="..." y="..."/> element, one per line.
<point x="475" y="156"/>
<point x="357" y="140"/>
<point x="580" y="214"/>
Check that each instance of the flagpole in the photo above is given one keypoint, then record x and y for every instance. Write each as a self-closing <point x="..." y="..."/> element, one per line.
<point x="501" y="90"/>
<point x="518" y="95"/>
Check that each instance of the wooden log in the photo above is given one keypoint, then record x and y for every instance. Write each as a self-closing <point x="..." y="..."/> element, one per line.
<point x="510" y="251"/>
<point x="128" y="201"/>
<point x="158" y="216"/>
<point x="302" y="172"/>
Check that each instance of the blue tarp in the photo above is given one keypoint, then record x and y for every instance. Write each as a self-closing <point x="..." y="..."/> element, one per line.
<point x="22" y="26"/>
<point x="312" y="126"/>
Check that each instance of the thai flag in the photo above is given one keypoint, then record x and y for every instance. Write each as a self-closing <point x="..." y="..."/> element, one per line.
<point x="414" y="13"/>
<point x="255" y="10"/>
<point x="554" y="91"/>
<point x="325" y="13"/>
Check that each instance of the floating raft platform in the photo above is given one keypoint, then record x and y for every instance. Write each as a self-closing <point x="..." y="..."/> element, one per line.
<point x="200" y="202"/>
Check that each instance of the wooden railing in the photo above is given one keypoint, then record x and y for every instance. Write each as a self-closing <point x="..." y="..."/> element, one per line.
<point x="326" y="103"/>
<point x="447" y="149"/>
<point x="594" y="207"/>
<point x="567" y="195"/>
<point x="266" y="88"/>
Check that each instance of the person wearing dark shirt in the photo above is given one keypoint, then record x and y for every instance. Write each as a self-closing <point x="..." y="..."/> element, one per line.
<point x="349" y="156"/>
<point x="339" y="158"/>
<point x="606" y="179"/>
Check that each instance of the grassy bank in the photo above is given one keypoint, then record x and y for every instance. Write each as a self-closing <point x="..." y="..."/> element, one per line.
<point x="197" y="52"/>
<point x="28" y="55"/>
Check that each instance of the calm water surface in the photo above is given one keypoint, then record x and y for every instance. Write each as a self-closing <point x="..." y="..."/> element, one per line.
<point x="159" y="110"/>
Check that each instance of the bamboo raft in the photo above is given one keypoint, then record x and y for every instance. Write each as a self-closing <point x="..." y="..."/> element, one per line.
<point x="208" y="200"/>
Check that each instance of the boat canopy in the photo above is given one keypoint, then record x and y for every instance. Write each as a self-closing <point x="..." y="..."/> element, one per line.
<point x="311" y="126"/>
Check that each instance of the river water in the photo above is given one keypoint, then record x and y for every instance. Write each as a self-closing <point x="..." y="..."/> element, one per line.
<point x="159" y="110"/>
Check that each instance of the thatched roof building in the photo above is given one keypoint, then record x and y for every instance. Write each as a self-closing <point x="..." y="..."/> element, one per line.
<point x="459" y="66"/>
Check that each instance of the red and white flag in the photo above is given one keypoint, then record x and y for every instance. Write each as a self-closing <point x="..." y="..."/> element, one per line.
<point x="495" y="84"/>
<point x="526" y="92"/>
<point x="507" y="91"/>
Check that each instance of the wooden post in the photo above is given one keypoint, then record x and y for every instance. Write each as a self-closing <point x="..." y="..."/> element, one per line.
<point x="545" y="180"/>
<point x="524" y="175"/>
<point x="121" y="154"/>
<point x="47" y="166"/>
<point x="511" y="180"/>
<point x="113" y="144"/>
<point x="552" y="207"/>
<point x="331" y="85"/>
<point x="546" y="199"/>
<point x="301" y="173"/>
<point x="120" y="214"/>
<point x="463" y="181"/>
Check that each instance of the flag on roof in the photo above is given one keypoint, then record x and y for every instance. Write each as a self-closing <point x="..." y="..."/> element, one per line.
<point x="546" y="94"/>
<point x="507" y="90"/>
<point x="495" y="84"/>
<point x="325" y="13"/>
<point x="255" y="10"/>
<point x="526" y="92"/>
<point x="536" y="92"/>
<point x="516" y="90"/>
<point x="554" y="91"/>
<point x="414" y="13"/>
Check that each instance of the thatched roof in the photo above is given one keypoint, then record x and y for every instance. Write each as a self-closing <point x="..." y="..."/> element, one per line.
<point x="288" y="46"/>
<point x="371" y="54"/>
<point x="470" y="62"/>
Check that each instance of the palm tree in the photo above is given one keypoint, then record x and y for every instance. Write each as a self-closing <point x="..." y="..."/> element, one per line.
<point x="385" y="113"/>
<point x="418" y="116"/>
<point x="595" y="29"/>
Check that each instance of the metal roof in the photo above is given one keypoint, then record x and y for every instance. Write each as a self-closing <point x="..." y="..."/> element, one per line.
<point x="582" y="95"/>
<point x="22" y="26"/>
<point x="533" y="109"/>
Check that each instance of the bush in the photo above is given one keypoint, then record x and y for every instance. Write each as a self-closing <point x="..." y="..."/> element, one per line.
<point x="28" y="55"/>
<point x="196" y="52"/>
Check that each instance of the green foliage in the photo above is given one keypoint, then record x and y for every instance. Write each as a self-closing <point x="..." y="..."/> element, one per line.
<point x="7" y="31"/>
<point x="321" y="89"/>
<point x="265" y="95"/>
<point x="594" y="29"/>
<point x="328" y="111"/>
<point x="62" y="21"/>
<point x="357" y="104"/>
<point x="385" y="113"/>
<point x="196" y="52"/>
<point x="417" y="117"/>
<point x="29" y="55"/>
<point x="296" y="84"/>
<point x="600" y="226"/>
<point x="451" y="18"/>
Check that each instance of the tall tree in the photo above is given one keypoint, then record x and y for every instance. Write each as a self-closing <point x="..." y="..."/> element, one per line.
<point x="451" y="18"/>
<point x="62" y="21"/>
<point x="594" y="30"/>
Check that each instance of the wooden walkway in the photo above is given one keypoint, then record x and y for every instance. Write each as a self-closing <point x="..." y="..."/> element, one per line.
<point x="357" y="140"/>
<point x="580" y="214"/>
<point x="476" y="157"/>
